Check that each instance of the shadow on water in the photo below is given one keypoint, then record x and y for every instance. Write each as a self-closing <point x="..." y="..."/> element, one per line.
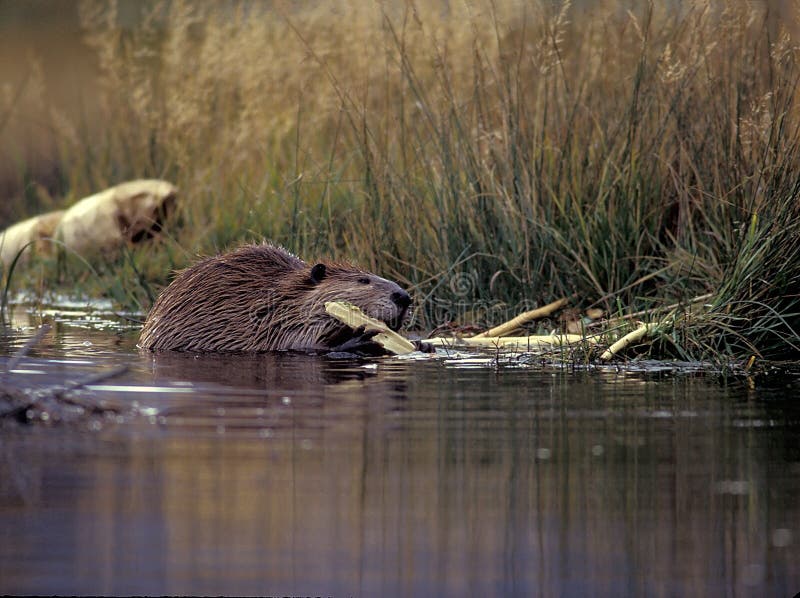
<point x="293" y="474"/>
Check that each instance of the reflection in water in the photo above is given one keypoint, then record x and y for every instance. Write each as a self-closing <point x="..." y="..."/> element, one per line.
<point x="289" y="474"/>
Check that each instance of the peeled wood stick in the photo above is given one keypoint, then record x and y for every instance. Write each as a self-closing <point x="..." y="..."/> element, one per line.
<point x="629" y="338"/>
<point x="354" y="317"/>
<point x="547" y="340"/>
<point x="523" y="318"/>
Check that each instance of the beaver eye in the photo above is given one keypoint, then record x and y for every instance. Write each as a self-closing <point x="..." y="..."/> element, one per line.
<point x="363" y="280"/>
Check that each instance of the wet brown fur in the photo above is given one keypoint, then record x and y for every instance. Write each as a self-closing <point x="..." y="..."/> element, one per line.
<point x="262" y="298"/>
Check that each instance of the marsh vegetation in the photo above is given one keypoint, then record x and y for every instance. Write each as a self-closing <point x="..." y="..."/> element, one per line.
<point x="490" y="156"/>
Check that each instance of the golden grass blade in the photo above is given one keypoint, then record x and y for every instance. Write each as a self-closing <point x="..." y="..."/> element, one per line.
<point x="354" y="317"/>
<point x="523" y="318"/>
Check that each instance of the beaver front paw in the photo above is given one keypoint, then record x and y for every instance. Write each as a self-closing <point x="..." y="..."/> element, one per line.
<point x="360" y="343"/>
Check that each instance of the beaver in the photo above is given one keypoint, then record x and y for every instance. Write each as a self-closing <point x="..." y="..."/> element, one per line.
<point x="262" y="298"/>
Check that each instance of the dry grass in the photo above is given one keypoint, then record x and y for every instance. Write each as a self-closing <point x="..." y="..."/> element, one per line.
<point x="492" y="155"/>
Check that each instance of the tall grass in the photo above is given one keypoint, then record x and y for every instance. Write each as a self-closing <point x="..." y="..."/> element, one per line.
<point x="487" y="154"/>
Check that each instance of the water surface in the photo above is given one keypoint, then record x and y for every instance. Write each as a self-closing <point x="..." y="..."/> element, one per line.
<point x="300" y="475"/>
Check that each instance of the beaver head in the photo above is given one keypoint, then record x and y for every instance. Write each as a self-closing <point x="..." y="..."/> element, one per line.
<point x="377" y="297"/>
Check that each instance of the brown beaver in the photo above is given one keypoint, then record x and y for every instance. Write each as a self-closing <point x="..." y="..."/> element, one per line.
<point x="263" y="298"/>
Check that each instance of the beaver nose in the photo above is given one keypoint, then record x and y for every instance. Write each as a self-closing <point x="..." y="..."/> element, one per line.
<point x="401" y="299"/>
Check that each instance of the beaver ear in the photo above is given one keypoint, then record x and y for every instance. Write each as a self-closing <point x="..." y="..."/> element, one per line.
<point x="318" y="273"/>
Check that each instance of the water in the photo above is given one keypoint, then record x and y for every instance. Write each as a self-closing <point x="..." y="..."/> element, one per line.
<point x="296" y="475"/>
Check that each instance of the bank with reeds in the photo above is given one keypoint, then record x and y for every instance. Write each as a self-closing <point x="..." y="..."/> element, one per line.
<point x="491" y="156"/>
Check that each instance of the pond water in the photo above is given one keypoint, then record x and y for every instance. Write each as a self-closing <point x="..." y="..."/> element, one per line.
<point x="297" y="475"/>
